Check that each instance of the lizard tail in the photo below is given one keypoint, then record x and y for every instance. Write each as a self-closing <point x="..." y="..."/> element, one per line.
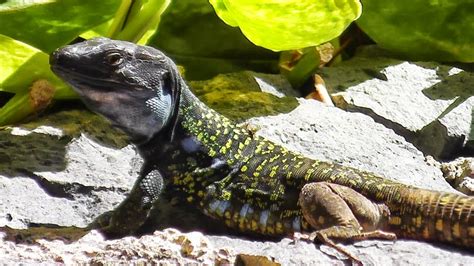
<point x="434" y="216"/>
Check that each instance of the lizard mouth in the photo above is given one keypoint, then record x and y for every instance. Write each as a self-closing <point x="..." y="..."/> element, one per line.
<point x="84" y="74"/>
<point x="79" y="79"/>
<point x="69" y="67"/>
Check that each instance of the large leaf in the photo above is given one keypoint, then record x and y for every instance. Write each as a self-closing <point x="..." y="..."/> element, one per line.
<point x="288" y="24"/>
<point x="441" y="30"/>
<point x="21" y="69"/>
<point x="140" y="20"/>
<point x="47" y="25"/>
<point x="192" y="34"/>
<point x="12" y="55"/>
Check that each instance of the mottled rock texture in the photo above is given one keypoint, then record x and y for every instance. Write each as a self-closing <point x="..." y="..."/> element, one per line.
<point x="68" y="167"/>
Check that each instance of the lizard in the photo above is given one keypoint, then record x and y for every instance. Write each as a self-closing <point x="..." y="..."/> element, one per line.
<point x="232" y="175"/>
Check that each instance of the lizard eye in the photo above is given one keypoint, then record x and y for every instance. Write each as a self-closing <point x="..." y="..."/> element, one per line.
<point x="114" y="58"/>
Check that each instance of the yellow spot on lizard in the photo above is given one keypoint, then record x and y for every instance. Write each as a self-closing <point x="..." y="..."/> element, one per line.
<point x="439" y="225"/>
<point x="212" y="152"/>
<point x="456" y="230"/>
<point x="321" y="220"/>
<point x="279" y="228"/>
<point x="223" y="150"/>
<point x="395" y="220"/>
<point x="200" y="136"/>
<point x="254" y="225"/>
<point x="247" y="141"/>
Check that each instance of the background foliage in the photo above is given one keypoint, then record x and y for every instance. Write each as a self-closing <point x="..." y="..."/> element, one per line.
<point x="216" y="36"/>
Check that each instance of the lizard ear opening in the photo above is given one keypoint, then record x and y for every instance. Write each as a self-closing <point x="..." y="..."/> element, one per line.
<point x="160" y="104"/>
<point x="173" y="85"/>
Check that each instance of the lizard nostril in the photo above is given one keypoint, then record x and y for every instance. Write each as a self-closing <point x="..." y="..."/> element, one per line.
<point x="53" y="58"/>
<point x="62" y="57"/>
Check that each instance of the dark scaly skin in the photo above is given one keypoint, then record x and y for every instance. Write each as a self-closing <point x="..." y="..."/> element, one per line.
<point x="274" y="176"/>
<point x="233" y="175"/>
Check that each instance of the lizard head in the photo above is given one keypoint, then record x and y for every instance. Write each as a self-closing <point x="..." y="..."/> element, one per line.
<point x="136" y="87"/>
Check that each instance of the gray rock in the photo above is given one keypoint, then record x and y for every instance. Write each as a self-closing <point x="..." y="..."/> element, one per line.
<point x="239" y="95"/>
<point x="70" y="167"/>
<point x="55" y="174"/>
<point x="277" y="85"/>
<point x="286" y="251"/>
<point x="24" y="201"/>
<point x="168" y="247"/>
<point x="453" y="131"/>
<point x="459" y="122"/>
<point x="109" y="168"/>
<point x="400" y="252"/>
<point x="329" y="133"/>
<point x="427" y="103"/>
<point x="467" y="186"/>
<point x="460" y="173"/>
<point x="173" y="247"/>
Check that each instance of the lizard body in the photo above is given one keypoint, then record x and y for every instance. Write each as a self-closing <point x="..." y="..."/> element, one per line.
<point x="233" y="175"/>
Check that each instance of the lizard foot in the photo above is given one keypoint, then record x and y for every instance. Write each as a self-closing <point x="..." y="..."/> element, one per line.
<point x="377" y="234"/>
<point x="134" y="210"/>
<point x="318" y="237"/>
<point x="339" y="212"/>
<point x="322" y="236"/>
<point x="112" y="225"/>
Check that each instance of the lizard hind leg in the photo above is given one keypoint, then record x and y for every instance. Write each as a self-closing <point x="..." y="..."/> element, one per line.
<point x="340" y="213"/>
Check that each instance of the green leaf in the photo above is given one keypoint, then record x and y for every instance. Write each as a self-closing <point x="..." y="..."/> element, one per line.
<point x="439" y="30"/>
<point x="15" y="109"/>
<point x="192" y="34"/>
<point x="141" y="16"/>
<point x="304" y="68"/>
<point x="21" y="66"/>
<point x="35" y="68"/>
<point x="47" y="25"/>
<point x="288" y="24"/>
<point x="12" y="55"/>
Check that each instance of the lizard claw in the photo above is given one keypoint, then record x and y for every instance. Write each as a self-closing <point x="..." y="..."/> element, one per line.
<point x="106" y="224"/>
<point x="297" y="236"/>
<point x="319" y="237"/>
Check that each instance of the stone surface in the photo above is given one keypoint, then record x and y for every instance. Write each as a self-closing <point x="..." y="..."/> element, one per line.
<point x="428" y="103"/>
<point x="111" y="167"/>
<point x="55" y="174"/>
<point x="329" y="133"/>
<point x="394" y="100"/>
<point x="168" y="247"/>
<point x="239" y="95"/>
<point x="24" y="201"/>
<point x="400" y="252"/>
<point x="69" y="167"/>
<point x="173" y="247"/>
<point x="460" y="173"/>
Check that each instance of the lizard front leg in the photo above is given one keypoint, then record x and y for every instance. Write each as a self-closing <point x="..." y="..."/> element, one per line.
<point x="339" y="212"/>
<point x="134" y="210"/>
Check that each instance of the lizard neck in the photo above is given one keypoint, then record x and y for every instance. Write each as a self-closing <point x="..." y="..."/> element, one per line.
<point x="219" y="136"/>
<point x="197" y="128"/>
